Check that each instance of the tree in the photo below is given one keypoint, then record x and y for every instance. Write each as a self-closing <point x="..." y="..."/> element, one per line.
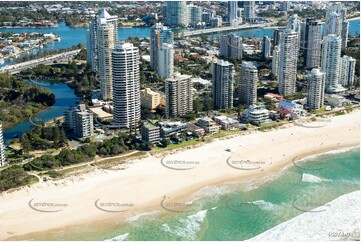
<point x="165" y="142"/>
<point x="208" y="104"/>
<point x="197" y="105"/>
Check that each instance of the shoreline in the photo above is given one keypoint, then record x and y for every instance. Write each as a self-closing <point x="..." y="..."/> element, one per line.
<point x="103" y="184"/>
<point x="339" y="222"/>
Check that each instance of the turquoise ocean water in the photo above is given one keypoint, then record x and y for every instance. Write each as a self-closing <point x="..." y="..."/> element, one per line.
<point x="236" y="211"/>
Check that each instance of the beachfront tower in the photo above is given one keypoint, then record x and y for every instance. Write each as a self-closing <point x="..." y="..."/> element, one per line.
<point x="315" y="89"/>
<point x="222" y="84"/>
<point x="179" y="97"/>
<point x="347" y="71"/>
<point x="330" y="62"/>
<point x="287" y="66"/>
<point x="247" y="84"/>
<point x="126" y="86"/>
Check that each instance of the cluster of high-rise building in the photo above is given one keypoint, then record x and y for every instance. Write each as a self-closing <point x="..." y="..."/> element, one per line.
<point x="117" y="65"/>
<point x="321" y="53"/>
<point x="230" y="46"/>
<point x="180" y="14"/>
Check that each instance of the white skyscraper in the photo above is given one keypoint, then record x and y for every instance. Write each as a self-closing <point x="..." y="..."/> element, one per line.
<point x="166" y="61"/>
<point x="179" y="97"/>
<point x="275" y="60"/>
<point x="2" y="148"/>
<point x="330" y="62"/>
<point x="231" y="46"/>
<point x="126" y="86"/>
<point x="106" y="32"/>
<point x="347" y="71"/>
<point x="284" y="6"/>
<point x="337" y="23"/>
<point x="249" y="11"/>
<point x="313" y="39"/>
<point x="194" y="14"/>
<point x="234" y="13"/>
<point x="344" y="32"/>
<point x="295" y="25"/>
<point x="177" y="14"/>
<point x="222" y="84"/>
<point x="287" y="66"/>
<point x="333" y="24"/>
<point x="91" y="37"/>
<point x="315" y="89"/>
<point x="247" y="85"/>
<point x="266" y="47"/>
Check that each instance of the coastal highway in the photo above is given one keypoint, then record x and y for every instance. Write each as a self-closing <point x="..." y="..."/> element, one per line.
<point x="224" y="29"/>
<point x="13" y="69"/>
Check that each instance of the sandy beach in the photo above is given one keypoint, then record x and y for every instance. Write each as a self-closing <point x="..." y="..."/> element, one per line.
<point x="111" y="194"/>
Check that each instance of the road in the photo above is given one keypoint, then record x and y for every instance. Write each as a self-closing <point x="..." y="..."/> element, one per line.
<point x="13" y="69"/>
<point x="224" y="29"/>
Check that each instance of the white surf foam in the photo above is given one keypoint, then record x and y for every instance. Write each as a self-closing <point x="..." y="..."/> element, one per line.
<point x="311" y="178"/>
<point x="340" y="217"/>
<point x="264" y="205"/>
<point x="119" y="238"/>
<point x="188" y="226"/>
<point x="139" y="215"/>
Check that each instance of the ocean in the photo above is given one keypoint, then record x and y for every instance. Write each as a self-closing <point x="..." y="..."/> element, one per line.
<point x="235" y="211"/>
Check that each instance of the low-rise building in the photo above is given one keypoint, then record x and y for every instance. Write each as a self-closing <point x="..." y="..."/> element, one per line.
<point x="80" y="121"/>
<point x="295" y="109"/>
<point x="196" y="129"/>
<point x="208" y="125"/>
<point x="167" y="129"/>
<point x="255" y="114"/>
<point x="150" y="99"/>
<point x="335" y="100"/>
<point x="150" y="132"/>
<point x="227" y="123"/>
<point x="272" y="97"/>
